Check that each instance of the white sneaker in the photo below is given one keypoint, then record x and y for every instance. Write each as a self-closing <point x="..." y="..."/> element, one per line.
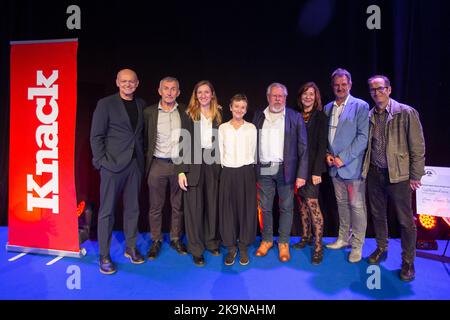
<point x="355" y="256"/>
<point x="338" y="244"/>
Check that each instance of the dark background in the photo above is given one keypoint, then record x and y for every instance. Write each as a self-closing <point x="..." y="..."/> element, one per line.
<point x="240" y="47"/>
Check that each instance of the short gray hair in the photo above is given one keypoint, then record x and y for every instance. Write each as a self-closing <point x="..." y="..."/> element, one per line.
<point x="277" y="85"/>
<point x="169" y="79"/>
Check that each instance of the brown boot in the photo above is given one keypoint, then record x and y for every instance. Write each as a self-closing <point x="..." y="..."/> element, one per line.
<point x="263" y="248"/>
<point x="284" y="252"/>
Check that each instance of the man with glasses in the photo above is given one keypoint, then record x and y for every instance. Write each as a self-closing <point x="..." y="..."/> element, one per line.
<point x="282" y="163"/>
<point x="394" y="164"/>
<point x="347" y="142"/>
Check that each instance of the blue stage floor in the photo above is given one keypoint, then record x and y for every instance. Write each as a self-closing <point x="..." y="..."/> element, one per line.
<point x="175" y="277"/>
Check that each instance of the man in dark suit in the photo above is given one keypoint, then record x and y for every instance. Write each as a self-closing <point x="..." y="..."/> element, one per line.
<point x="117" y="149"/>
<point x="162" y="135"/>
<point x="282" y="162"/>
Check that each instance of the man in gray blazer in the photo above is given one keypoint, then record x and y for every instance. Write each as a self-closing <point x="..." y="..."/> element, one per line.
<point x="347" y="141"/>
<point x="161" y="144"/>
<point x="117" y="150"/>
<point x="394" y="165"/>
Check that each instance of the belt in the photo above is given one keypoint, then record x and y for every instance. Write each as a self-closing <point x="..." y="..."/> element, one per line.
<point x="270" y="164"/>
<point x="378" y="169"/>
<point x="168" y="160"/>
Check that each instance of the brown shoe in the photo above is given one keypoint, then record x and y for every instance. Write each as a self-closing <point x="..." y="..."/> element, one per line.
<point x="284" y="252"/>
<point x="263" y="248"/>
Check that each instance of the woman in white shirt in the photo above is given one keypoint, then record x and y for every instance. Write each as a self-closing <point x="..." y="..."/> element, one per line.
<point x="198" y="174"/>
<point x="237" y="190"/>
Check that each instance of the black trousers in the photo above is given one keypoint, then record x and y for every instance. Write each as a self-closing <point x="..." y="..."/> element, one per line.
<point x="162" y="173"/>
<point x="380" y="190"/>
<point x="237" y="206"/>
<point x="201" y="212"/>
<point x="112" y="185"/>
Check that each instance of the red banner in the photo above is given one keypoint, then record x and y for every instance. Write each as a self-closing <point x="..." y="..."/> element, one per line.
<point x="42" y="196"/>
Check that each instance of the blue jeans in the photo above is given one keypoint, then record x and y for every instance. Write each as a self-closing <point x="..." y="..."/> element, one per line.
<point x="351" y="202"/>
<point x="267" y="186"/>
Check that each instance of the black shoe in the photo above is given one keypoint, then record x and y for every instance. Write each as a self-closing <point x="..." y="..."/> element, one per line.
<point x="199" y="261"/>
<point x="215" y="252"/>
<point x="377" y="256"/>
<point x="154" y="250"/>
<point x="134" y="255"/>
<point x="229" y="259"/>
<point x="302" y="243"/>
<point x="243" y="259"/>
<point x="179" y="246"/>
<point x="317" y="257"/>
<point x="407" y="273"/>
<point x="106" y="265"/>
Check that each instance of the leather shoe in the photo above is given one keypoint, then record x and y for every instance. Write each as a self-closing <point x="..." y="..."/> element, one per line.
<point x="338" y="244"/>
<point x="154" y="250"/>
<point x="134" y="255"/>
<point x="106" y="265"/>
<point x="179" y="246"/>
<point x="317" y="256"/>
<point x="199" y="261"/>
<point x="408" y="273"/>
<point x="302" y="243"/>
<point x="263" y="248"/>
<point x="284" y="255"/>
<point x="215" y="252"/>
<point x="380" y="254"/>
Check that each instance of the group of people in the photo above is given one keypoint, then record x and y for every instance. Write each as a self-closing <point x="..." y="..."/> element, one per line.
<point x="214" y="169"/>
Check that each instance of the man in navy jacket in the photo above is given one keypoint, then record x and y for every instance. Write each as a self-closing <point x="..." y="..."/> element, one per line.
<point x="282" y="162"/>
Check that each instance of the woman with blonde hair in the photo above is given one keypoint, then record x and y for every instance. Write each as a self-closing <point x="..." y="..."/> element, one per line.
<point x="199" y="172"/>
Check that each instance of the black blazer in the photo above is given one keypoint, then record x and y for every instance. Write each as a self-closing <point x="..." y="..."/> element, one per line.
<point x="295" y="152"/>
<point x="317" y="128"/>
<point x="191" y="151"/>
<point x="113" y="141"/>
<point x="150" y="131"/>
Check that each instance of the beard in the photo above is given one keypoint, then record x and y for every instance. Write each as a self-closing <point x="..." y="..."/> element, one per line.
<point x="276" y="109"/>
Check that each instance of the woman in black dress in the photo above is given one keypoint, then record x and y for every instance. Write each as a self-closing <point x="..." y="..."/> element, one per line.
<point x="310" y="105"/>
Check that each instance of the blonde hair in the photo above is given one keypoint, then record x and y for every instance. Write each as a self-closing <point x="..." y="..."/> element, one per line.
<point x="193" y="109"/>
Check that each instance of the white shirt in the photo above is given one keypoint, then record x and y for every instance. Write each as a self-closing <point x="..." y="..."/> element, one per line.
<point x="205" y="132"/>
<point x="237" y="146"/>
<point x="272" y="137"/>
<point x="167" y="133"/>
<point x="336" y="111"/>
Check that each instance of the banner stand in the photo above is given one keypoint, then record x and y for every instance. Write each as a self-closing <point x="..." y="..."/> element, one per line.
<point x="42" y="206"/>
<point x="63" y="253"/>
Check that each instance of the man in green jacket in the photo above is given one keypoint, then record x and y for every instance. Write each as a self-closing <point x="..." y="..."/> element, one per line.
<point x="394" y="164"/>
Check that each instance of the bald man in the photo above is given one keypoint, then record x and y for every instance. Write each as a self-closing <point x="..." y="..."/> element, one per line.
<point x="117" y="149"/>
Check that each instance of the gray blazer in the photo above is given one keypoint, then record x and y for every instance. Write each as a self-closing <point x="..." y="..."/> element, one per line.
<point x="113" y="141"/>
<point x="405" y="144"/>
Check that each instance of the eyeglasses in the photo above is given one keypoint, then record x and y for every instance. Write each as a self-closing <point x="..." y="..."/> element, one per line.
<point x="378" y="89"/>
